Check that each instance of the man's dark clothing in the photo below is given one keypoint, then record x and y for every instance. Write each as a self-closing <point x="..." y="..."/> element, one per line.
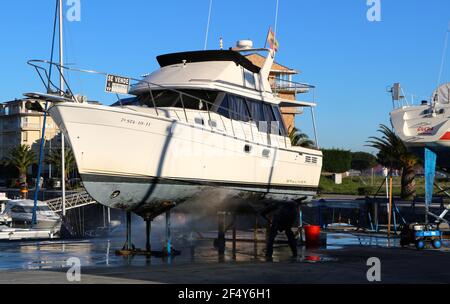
<point x="283" y="220"/>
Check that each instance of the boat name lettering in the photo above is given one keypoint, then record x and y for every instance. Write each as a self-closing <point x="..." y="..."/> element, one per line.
<point x="290" y="181"/>
<point x="425" y="130"/>
<point x="135" y="122"/>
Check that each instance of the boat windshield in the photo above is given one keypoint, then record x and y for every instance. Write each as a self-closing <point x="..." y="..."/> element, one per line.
<point x="191" y="99"/>
<point x="29" y="209"/>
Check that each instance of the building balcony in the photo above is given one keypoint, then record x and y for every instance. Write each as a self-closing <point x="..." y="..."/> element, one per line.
<point x="31" y="126"/>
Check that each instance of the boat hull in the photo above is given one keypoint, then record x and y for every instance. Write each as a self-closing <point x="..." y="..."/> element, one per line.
<point x="146" y="164"/>
<point x="419" y="130"/>
<point x="151" y="196"/>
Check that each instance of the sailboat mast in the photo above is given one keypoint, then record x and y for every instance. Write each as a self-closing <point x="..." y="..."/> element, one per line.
<point x="61" y="87"/>
<point x="61" y="46"/>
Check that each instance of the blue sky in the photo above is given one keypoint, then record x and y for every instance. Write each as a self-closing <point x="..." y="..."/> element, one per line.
<point x="350" y="59"/>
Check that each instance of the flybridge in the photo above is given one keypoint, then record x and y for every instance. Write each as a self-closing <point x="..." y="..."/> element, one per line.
<point x="206" y="56"/>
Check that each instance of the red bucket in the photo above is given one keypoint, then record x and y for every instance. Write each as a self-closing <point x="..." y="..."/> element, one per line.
<point x="312" y="235"/>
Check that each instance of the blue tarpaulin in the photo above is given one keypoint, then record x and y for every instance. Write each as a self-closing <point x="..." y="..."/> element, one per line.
<point x="430" y="173"/>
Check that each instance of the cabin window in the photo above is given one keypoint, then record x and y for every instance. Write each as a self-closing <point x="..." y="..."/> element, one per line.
<point x="267" y="117"/>
<point x="279" y="119"/>
<point x="272" y="122"/>
<point x="44" y="208"/>
<point x="18" y="209"/>
<point x="196" y="99"/>
<point x="249" y="79"/>
<point x="223" y="109"/>
<point x="238" y="108"/>
<point x="256" y="110"/>
<point x="260" y="115"/>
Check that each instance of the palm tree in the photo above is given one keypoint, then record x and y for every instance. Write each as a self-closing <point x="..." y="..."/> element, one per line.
<point x="394" y="154"/>
<point x="300" y="139"/>
<point x="22" y="158"/>
<point x="54" y="159"/>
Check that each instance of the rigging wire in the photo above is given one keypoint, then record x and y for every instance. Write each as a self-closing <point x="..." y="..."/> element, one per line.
<point x="276" y="18"/>
<point x="444" y="52"/>
<point x="53" y="47"/>
<point x="209" y="22"/>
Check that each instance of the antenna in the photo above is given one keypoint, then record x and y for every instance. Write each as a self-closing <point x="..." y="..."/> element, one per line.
<point x="397" y="93"/>
<point x="209" y="22"/>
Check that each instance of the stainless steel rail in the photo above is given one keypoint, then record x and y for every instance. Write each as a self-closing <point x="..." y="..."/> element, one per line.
<point x="54" y="89"/>
<point x="72" y="202"/>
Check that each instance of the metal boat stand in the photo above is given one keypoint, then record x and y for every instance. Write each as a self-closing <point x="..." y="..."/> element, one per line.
<point x="235" y="217"/>
<point x="128" y="249"/>
<point x="255" y="238"/>
<point x="300" y="225"/>
<point x="168" y="250"/>
<point x="224" y="226"/>
<point x="220" y="242"/>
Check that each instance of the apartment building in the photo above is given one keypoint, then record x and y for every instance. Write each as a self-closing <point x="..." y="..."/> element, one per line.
<point x="20" y="126"/>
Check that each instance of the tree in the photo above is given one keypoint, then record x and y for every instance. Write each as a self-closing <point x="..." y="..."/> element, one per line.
<point x="394" y="154"/>
<point x="21" y="158"/>
<point x="54" y="159"/>
<point x="362" y="161"/>
<point x="300" y="139"/>
<point x="336" y="160"/>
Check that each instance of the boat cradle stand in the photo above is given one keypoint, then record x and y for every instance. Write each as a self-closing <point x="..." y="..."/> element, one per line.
<point x="130" y="250"/>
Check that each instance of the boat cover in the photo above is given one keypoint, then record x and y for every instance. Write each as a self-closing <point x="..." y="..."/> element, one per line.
<point x="442" y="94"/>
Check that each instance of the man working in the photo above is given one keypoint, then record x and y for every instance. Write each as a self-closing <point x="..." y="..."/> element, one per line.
<point x="284" y="217"/>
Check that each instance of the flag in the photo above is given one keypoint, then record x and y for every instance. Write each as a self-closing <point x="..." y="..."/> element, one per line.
<point x="272" y="41"/>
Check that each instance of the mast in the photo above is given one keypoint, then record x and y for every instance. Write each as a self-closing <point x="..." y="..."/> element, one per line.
<point x="61" y="87"/>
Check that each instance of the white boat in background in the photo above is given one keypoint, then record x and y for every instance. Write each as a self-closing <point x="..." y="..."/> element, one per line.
<point x="426" y="125"/>
<point x="16" y="217"/>
<point x="5" y="218"/>
<point x="205" y="127"/>
<point x="21" y="213"/>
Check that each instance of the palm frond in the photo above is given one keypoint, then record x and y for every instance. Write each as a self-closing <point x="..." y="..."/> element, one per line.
<point x="300" y="139"/>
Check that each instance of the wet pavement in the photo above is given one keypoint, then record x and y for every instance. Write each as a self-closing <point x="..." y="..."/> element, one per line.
<point x="342" y="259"/>
<point x="200" y="249"/>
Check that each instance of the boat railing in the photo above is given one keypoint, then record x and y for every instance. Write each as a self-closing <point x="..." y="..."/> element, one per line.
<point x="280" y="85"/>
<point x="44" y="69"/>
<point x="74" y="201"/>
<point x="402" y="99"/>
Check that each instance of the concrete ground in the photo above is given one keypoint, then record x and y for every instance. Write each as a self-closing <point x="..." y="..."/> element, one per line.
<point x="320" y="266"/>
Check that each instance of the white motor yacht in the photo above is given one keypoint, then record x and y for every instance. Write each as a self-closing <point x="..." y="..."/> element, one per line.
<point x="204" y="126"/>
<point x="21" y="214"/>
<point x="5" y="218"/>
